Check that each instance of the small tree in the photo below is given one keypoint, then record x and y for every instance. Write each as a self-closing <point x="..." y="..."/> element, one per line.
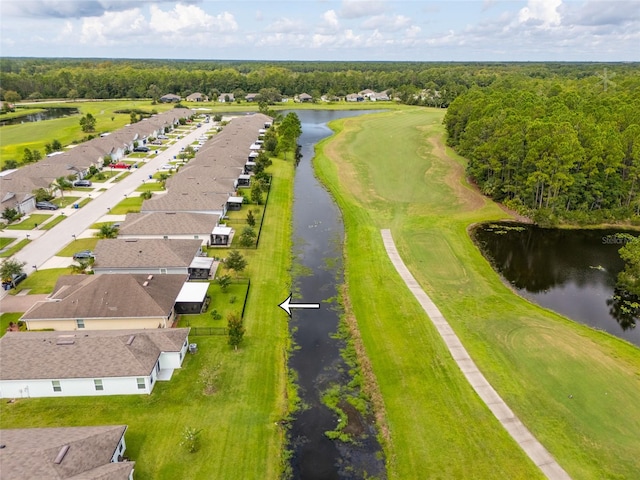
<point x="251" y="220"/>
<point x="88" y="123"/>
<point x="62" y="184"/>
<point x="224" y="281"/>
<point x="248" y="237"/>
<point x="11" y="268"/>
<point x="256" y="193"/>
<point x="147" y="194"/>
<point x="235" y="261"/>
<point x="10" y="214"/>
<point x="81" y="266"/>
<point x="191" y="439"/>
<point x="107" y="231"/>
<point x="235" y="330"/>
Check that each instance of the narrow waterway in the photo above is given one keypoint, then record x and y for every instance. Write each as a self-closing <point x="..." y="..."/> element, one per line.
<point x="46" y="114"/>
<point x="318" y="238"/>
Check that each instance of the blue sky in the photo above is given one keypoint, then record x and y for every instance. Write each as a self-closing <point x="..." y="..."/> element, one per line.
<point x="418" y="30"/>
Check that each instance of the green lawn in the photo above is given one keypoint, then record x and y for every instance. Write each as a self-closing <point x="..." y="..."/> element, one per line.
<point x="78" y="245"/>
<point x="150" y="187"/>
<point x="31" y="222"/>
<point x="52" y="223"/>
<point x="34" y="135"/>
<point x="225" y="303"/>
<point x="16" y="248"/>
<point x="5" y="318"/>
<point x="128" y="205"/>
<point x="65" y="201"/>
<point x="4" y="241"/>
<point x="241" y="434"/>
<point x="41" y="281"/>
<point x="534" y="359"/>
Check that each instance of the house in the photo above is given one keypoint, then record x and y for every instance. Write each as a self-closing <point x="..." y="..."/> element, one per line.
<point x="90" y="453"/>
<point x="107" y="302"/>
<point x="354" y="97"/>
<point x="380" y="97"/>
<point x="192" y="298"/>
<point x="226" y="98"/>
<point x="305" y="98"/>
<point x="89" y="363"/>
<point x="197" y="97"/>
<point x="367" y="93"/>
<point x="145" y="256"/>
<point x="170" y="98"/>
<point x="169" y="226"/>
<point x="251" y="97"/>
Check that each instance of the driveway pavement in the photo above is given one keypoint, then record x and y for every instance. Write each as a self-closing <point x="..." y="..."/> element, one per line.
<point x="521" y="434"/>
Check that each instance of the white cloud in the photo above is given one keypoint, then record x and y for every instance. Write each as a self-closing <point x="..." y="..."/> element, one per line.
<point x="190" y="19"/>
<point x="286" y="25"/>
<point x="361" y="8"/>
<point x="330" y="18"/>
<point x="111" y="27"/>
<point x="388" y="23"/>
<point x="541" y="12"/>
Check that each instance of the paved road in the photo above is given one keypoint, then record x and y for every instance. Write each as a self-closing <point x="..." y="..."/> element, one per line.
<point x="49" y="242"/>
<point x="521" y="434"/>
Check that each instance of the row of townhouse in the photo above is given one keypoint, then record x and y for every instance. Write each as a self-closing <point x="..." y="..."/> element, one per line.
<point x="17" y="186"/>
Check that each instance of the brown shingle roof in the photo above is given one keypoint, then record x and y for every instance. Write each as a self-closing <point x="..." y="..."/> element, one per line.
<point x="118" y="295"/>
<point x="168" y="223"/>
<point x="143" y="253"/>
<point x="30" y="453"/>
<point x="93" y="353"/>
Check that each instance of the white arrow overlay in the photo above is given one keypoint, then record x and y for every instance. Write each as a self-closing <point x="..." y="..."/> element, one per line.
<point x="287" y="305"/>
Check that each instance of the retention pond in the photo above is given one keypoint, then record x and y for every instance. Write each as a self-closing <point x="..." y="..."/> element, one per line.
<point x="317" y="360"/>
<point x="572" y="272"/>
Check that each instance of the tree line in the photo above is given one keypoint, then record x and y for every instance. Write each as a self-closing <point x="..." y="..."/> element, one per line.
<point x="557" y="149"/>
<point x="33" y="78"/>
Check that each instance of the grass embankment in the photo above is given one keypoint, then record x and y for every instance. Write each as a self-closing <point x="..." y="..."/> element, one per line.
<point x="67" y="130"/>
<point x="575" y="388"/>
<point x="240" y="435"/>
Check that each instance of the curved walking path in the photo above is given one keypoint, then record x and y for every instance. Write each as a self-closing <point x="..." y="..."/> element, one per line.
<point x="521" y="434"/>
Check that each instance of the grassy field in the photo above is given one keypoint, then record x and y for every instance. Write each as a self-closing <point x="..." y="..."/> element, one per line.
<point x="34" y="135"/>
<point x="15" y="248"/>
<point x="30" y="222"/>
<point x="41" y="281"/>
<point x="236" y="398"/>
<point x="535" y="359"/>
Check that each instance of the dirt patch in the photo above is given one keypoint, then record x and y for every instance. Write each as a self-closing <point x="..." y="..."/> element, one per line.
<point x="469" y="196"/>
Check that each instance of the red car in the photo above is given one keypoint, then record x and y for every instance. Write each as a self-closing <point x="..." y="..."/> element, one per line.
<point x="120" y="165"/>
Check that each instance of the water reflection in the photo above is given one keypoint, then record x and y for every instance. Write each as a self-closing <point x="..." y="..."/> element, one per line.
<point x="46" y="114"/>
<point x="573" y="272"/>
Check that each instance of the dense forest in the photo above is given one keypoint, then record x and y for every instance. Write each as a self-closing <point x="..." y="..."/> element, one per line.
<point x="432" y="84"/>
<point x="556" y="148"/>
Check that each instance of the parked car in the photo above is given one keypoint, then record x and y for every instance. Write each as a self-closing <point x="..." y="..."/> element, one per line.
<point x="82" y="183"/>
<point x="141" y="148"/>
<point x="120" y="165"/>
<point x="15" y="280"/>
<point x="44" y="205"/>
<point x="83" y="254"/>
<point x="162" y="137"/>
<point x="168" y="166"/>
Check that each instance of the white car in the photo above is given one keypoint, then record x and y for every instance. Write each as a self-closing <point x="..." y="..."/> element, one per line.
<point x="168" y="166"/>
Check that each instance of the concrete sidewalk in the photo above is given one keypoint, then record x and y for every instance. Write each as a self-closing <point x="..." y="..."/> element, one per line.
<point x="521" y="434"/>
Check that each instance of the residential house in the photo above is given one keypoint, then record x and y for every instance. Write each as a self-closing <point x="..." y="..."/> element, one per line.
<point x="367" y="93"/>
<point x="354" y="97"/>
<point x="305" y="98"/>
<point x="380" y="97"/>
<point x="226" y="98"/>
<point x="107" y="302"/>
<point x="169" y="225"/>
<point x="141" y="256"/>
<point x="197" y="97"/>
<point x="90" y="362"/>
<point x="65" y="453"/>
<point x="170" y="98"/>
<point x="251" y="97"/>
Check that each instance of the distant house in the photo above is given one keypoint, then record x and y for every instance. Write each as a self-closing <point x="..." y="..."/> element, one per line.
<point x="251" y="97"/>
<point x="380" y="97"/>
<point x="170" y="98"/>
<point x="107" y="302"/>
<point x="226" y="98"/>
<point x="305" y="98"/>
<point x="145" y="256"/>
<point x="90" y="453"/>
<point x="354" y="97"/>
<point x="89" y="363"/>
<point x="366" y="93"/>
<point x="197" y="97"/>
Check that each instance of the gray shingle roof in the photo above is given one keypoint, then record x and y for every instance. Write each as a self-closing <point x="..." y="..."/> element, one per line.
<point x="93" y="353"/>
<point x="30" y="453"/>
<point x="118" y="295"/>
<point x="168" y="223"/>
<point x="142" y="253"/>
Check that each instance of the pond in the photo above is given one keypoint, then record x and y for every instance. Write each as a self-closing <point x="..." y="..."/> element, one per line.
<point x="572" y="272"/>
<point x="46" y="114"/>
<point x="318" y="238"/>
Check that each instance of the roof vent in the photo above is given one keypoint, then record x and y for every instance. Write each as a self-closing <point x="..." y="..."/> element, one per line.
<point x="131" y="339"/>
<point x="65" y="340"/>
<point x="63" y="451"/>
<point x="145" y="284"/>
<point x="150" y="277"/>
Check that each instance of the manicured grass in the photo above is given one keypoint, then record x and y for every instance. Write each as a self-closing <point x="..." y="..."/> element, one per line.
<point x="30" y="222"/>
<point x="16" y="248"/>
<point x="41" y="281"/>
<point x="78" y="245"/>
<point x="128" y="205"/>
<point x="241" y="434"/>
<point x="4" y="241"/>
<point x="534" y="359"/>
<point x="123" y="175"/>
<point x="65" y="201"/>
<point x="34" y="135"/>
<point x="49" y="225"/>
<point x="5" y="318"/>
<point x="220" y="302"/>
<point x="150" y="187"/>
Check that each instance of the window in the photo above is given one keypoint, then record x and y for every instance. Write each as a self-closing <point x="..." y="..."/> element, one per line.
<point x="80" y="323"/>
<point x="141" y="383"/>
<point x="165" y="237"/>
<point x="163" y="270"/>
<point x="56" y="385"/>
<point x="158" y="367"/>
<point x="98" y="384"/>
<point x="196" y="237"/>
